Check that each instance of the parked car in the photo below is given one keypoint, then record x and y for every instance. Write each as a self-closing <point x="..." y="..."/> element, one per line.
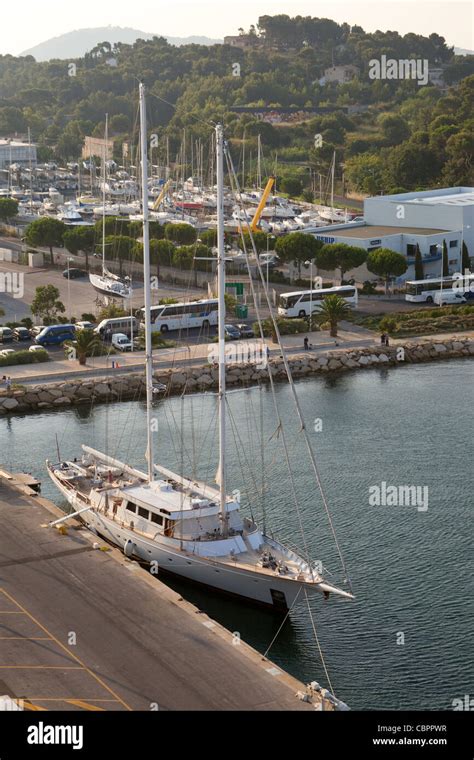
<point x="245" y="331"/>
<point x="36" y="348"/>
<point x="21" y="333"/>
<point x="35" y="330"/>
<point x="231" y="332"/>
<point x="7" y="351"/>
<point x="269" y="260"/>
<point x="121" y="342"/>
<point x="6" y="335"/>
<point x="55" y="335"/>
<point x="73" y="273"/>
<point x="84" y="325"/>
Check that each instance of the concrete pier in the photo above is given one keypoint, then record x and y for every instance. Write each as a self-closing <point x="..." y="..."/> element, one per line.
<point x="84" y="628"/>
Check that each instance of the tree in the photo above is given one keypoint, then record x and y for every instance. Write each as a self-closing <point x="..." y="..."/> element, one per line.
<point x="386" y="263"/>
<point x="394" y="128"/>
<point x="459" y="167"/>
<point x="291" y="185"/>
<point x="111" y="311"/>
<point x="419" y="272"/>
<point x="46" y="303"/>
<point x="445" y="260"/>
<point x="365" y="173"/>
<point x="8" y="209"/>
<point x="332" y="310"/>
<point x="260" y="239"/>
<point x="183" y="257"/>
<point x="340" y="256"/>
<point x="161" y="253"/>
<point x="70" y="143"/>
<point x="465" y="258"/>
<point x="46" y="231"/>
<point x="297" y="247"/>
<point x="80" y="239"/>
<point x="180" y="233"/>
<point x="87" y="342"/>
<point x="120" y="247"/>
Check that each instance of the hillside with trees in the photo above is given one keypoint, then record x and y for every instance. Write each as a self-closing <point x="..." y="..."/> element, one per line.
<point x="387" y="134"/>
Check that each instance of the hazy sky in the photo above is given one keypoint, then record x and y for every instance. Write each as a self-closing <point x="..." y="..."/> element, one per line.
<point x="29" y="22"/>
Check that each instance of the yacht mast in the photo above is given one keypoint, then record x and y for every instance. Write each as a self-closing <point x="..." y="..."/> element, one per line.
<point x="104" y="175"/>
<point x="221" y="331"/>
<point x="146" y="283"/>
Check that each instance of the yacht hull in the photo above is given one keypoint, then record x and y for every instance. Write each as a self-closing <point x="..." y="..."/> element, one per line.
<point x="272" y="591"/>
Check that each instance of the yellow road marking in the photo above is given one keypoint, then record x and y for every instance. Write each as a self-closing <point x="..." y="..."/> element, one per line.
<point x="66" y="699"/>
<point x="84" y="705"/>
<point x="65" y="649"/>
<point x="10" y="612"/>
<point x="29" y="706"/>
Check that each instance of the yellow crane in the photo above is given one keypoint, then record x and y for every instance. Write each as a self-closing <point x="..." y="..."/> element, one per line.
<point x="262" y="204"/>
<point x="161" y="196"/>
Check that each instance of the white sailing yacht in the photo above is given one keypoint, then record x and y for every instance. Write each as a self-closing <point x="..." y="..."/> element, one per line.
<point x="107" y="283"/>
<point x="187" y="527"/>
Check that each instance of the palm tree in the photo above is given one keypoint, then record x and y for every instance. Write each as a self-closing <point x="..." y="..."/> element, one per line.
<point x="333" y="309"/>
<point x="85" y="344"/>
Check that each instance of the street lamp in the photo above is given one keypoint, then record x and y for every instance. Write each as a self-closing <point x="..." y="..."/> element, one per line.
<point x="269" y="237"/>
<point x="69" y="290"/>
<point x="310" y="264"/>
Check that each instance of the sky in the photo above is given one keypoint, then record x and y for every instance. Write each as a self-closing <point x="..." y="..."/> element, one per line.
<point x="32" y="22"/>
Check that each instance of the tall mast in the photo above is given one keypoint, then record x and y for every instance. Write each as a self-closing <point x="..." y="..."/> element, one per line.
<point x="146" y="283"/>
<point x="104" y="174"/>
<point x="259" y="165"/>
<point x="333" y="169"/>
<point x="221" y="331"/>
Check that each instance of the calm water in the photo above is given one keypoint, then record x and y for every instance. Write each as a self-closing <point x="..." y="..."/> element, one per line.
<point x="411" y="570"/>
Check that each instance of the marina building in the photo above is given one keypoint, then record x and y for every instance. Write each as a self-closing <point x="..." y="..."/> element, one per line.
<point x="403" y="221"/>
<point x="16" y="152"/>
<point x="96" y="146"/>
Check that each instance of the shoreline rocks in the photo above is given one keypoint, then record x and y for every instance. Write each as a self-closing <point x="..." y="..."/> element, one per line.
<point x="202" y="378"/>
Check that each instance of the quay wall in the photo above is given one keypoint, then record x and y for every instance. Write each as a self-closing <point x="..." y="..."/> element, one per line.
<point x="86" y="390"/>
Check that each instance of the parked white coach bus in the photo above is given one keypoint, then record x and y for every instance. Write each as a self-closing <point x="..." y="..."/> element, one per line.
<point x="180" y="316"/>
<point x="299" y="303"/>
<point x="424" y="291"/>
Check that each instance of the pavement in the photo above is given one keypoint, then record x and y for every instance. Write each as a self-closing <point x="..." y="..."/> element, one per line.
<point x="89" y="630"/>
<point x="60" y="368"/>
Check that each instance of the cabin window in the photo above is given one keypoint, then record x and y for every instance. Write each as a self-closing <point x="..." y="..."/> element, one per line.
<point x="143" y="513"/>
<point x="131" y="507"/>
<point x="156" y="518"/>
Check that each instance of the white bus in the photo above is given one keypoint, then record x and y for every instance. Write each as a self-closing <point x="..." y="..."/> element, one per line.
<point x="299" y="303"/>
<point x="424" y="291"/>
<point x="180" y="316"/>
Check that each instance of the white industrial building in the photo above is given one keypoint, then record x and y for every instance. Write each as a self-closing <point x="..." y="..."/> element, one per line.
<point x="16" y="152"/>
<point x="402" y="221"/>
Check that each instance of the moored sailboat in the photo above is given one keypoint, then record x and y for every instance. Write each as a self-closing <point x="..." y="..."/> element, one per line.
<point x="187" y="527"/>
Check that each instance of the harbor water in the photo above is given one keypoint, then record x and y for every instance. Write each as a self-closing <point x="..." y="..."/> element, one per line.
<point x="406" y="641"/>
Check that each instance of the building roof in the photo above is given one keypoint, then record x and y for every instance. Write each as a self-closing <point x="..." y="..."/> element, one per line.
<point x="446" y="196"/>
<point x="375" y="231"/>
